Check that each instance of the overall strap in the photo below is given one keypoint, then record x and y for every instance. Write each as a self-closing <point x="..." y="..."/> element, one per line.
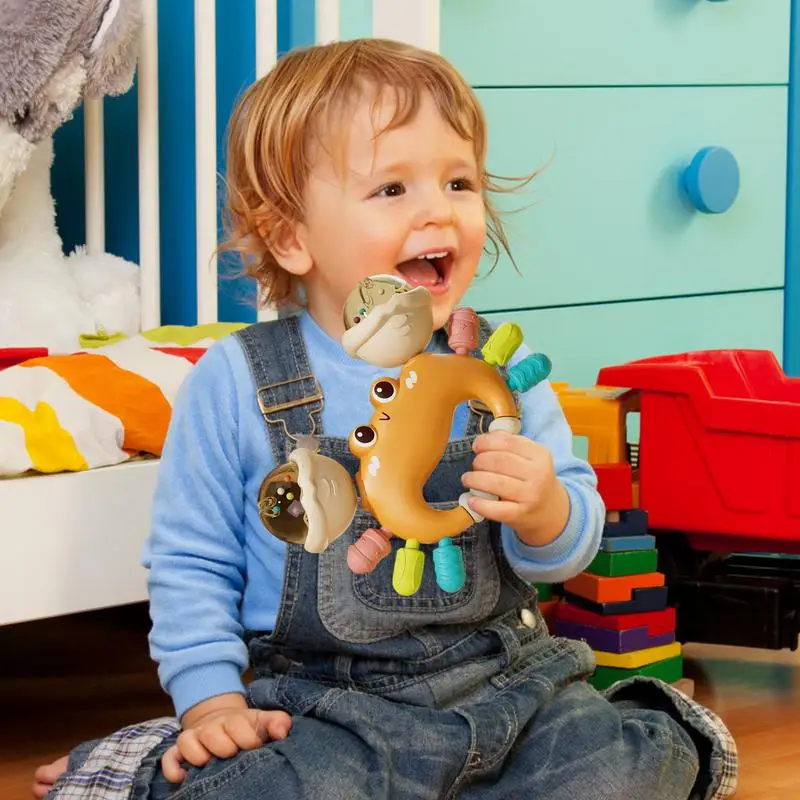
<point x="289" y="396"/>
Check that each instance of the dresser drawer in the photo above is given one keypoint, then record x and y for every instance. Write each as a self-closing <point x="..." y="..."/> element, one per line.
<point x="581" y="340"/>
<point x="617" y="42"/>
<point x="607" y="218"/>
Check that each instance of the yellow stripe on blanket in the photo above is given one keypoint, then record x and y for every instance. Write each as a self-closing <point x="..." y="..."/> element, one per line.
<point x="139" y="404"/>
<point x="49" y="446"/>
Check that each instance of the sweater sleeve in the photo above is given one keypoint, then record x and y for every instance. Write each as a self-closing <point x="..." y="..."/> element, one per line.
<point x="195" y="553"/>
<point x="574" y="548"/>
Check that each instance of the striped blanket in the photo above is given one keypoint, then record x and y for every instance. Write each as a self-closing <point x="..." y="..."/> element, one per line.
<point x="104" y="405"/>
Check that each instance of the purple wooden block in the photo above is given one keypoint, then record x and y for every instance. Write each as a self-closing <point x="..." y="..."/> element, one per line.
<point x="610" y="641"/>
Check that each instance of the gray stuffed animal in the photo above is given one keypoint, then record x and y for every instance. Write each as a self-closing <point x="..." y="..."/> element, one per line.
<point x="53" y="54"/>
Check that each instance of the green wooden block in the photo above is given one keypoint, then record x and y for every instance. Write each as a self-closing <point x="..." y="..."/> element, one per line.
<point x="624" y="562"/>
<point x="545" y="591"/>
<point x="669" y="670"/>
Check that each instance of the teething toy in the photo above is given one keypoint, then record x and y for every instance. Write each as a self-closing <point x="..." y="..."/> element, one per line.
<point x="389" y="324"/>
<point x="311" y="500"/>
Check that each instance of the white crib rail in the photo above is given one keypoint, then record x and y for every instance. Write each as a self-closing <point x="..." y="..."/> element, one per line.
<point x="266" y="36"/>
<point x="416" y="21"/>
<point x="266" y="56"/>
<point x="326" y="21"/>
<point x="94" y="155"/>
<point x="149" y="202"/>
<point x="413" y="21"/>
<point x="205" y="76"/>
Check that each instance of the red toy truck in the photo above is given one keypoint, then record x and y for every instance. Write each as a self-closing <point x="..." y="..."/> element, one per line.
<point x="719" y="447"/>
<point x="715" y="475"/>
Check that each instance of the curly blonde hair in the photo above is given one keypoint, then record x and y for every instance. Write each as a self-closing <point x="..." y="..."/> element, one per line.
<point x="274" y="126"/>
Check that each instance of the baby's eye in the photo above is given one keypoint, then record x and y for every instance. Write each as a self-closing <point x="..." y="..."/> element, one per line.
<point x="391" y="190"/>
<point x="461" y="185"/>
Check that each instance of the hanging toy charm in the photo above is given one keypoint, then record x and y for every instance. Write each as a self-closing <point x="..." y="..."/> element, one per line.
<point x="309" y="500"/>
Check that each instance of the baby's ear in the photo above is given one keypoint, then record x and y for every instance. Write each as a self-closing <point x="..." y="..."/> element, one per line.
<point x="287" y="242"/>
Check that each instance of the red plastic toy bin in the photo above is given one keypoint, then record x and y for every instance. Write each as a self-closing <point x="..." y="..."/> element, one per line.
<point x="719" y="446"/>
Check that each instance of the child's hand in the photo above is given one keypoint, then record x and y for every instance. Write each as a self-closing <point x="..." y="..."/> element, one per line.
<point x="222" y="734"/>
<point x="520" y="473"/>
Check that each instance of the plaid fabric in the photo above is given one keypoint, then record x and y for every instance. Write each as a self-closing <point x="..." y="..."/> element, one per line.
<point x="109" y="771"/>
<point x="724" y="766"/>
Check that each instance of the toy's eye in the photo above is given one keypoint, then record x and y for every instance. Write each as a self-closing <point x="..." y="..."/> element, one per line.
<point x="364" y="435"/>
<point x="383" y="391"/>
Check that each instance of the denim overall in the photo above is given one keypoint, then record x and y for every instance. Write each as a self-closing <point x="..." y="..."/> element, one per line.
<point x="435" y="695"/>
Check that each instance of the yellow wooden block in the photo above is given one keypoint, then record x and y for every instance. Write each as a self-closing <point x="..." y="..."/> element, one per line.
<point x="638" y="658"/>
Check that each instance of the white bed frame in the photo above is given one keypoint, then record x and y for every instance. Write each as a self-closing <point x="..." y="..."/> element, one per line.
<point x="72" y="542"/>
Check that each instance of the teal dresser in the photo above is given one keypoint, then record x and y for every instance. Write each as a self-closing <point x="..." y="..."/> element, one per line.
<point x="621" y="253"/>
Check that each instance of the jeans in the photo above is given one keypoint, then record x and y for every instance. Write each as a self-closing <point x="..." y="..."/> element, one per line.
<point x="531" y="731"/>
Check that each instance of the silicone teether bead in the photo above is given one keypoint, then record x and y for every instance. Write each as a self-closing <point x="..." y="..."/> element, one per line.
<point x="532" y="370"/>
<point x="408" y="565"/>
<point x="370" y="549"/>
<point x="502" y="344"/>
<point x="448" y="561"/>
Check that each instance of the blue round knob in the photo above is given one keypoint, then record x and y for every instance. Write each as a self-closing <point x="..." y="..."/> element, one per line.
<point x="712" y="180"/>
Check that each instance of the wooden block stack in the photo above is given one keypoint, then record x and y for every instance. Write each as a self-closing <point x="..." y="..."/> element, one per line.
<point x="618" y="605"/>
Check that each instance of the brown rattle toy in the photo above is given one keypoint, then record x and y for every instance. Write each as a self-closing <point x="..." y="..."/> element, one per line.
<point x="408" y="432"/>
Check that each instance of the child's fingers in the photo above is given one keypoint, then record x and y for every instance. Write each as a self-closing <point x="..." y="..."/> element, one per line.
<point x="192" y="749"/>
<point x="214" y="738"/>
<point x="274" y="724"/>
<point x="506" y="442"/>
<point x="500" y="485"/>
<point x="242" y="732"/>
<point x="501" y="463"/>
<point x="171" y="765"/>
<point x="503" y="511"/>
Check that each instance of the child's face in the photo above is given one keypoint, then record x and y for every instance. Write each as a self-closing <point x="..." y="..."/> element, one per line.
<point x="414" y="191"/>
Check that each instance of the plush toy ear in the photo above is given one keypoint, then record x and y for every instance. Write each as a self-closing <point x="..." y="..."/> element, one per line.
<point x="33" y="41"/>
<point x="112" y="55"/>
<point x="53" y="52"/>
<point x="105" y="25"/>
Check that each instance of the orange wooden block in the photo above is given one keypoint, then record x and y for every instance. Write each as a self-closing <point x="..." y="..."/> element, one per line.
<point x="611" y="590"/>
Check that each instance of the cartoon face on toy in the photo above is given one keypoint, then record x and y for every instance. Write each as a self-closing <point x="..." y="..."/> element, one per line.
<point x="386" y="322"/>
<point x="406" y="437"/>
<point x="280" y="508"/>
<point x="310" y="500"/>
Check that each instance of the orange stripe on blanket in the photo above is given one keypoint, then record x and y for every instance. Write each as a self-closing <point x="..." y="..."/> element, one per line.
<point x="135" y="401"/>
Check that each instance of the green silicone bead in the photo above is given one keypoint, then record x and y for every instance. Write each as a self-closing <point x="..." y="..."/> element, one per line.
<point x="408" y="566"/>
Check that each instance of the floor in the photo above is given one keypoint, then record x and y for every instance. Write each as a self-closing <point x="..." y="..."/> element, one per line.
<point x="71" y="679"/>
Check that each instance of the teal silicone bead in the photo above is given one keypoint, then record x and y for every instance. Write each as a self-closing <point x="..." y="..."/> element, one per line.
<point x="448" y="563"/>
<point x="533" y="369"/>
<point x="712" y="180"/>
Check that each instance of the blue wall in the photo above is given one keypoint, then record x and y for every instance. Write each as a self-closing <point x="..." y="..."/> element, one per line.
<point x="235" y="70"/>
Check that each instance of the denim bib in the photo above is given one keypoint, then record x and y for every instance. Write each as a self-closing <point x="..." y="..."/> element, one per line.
<point x="337" y="625"/>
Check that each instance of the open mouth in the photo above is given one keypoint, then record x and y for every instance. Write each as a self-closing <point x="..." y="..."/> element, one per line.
<point x="431" y="270"/>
